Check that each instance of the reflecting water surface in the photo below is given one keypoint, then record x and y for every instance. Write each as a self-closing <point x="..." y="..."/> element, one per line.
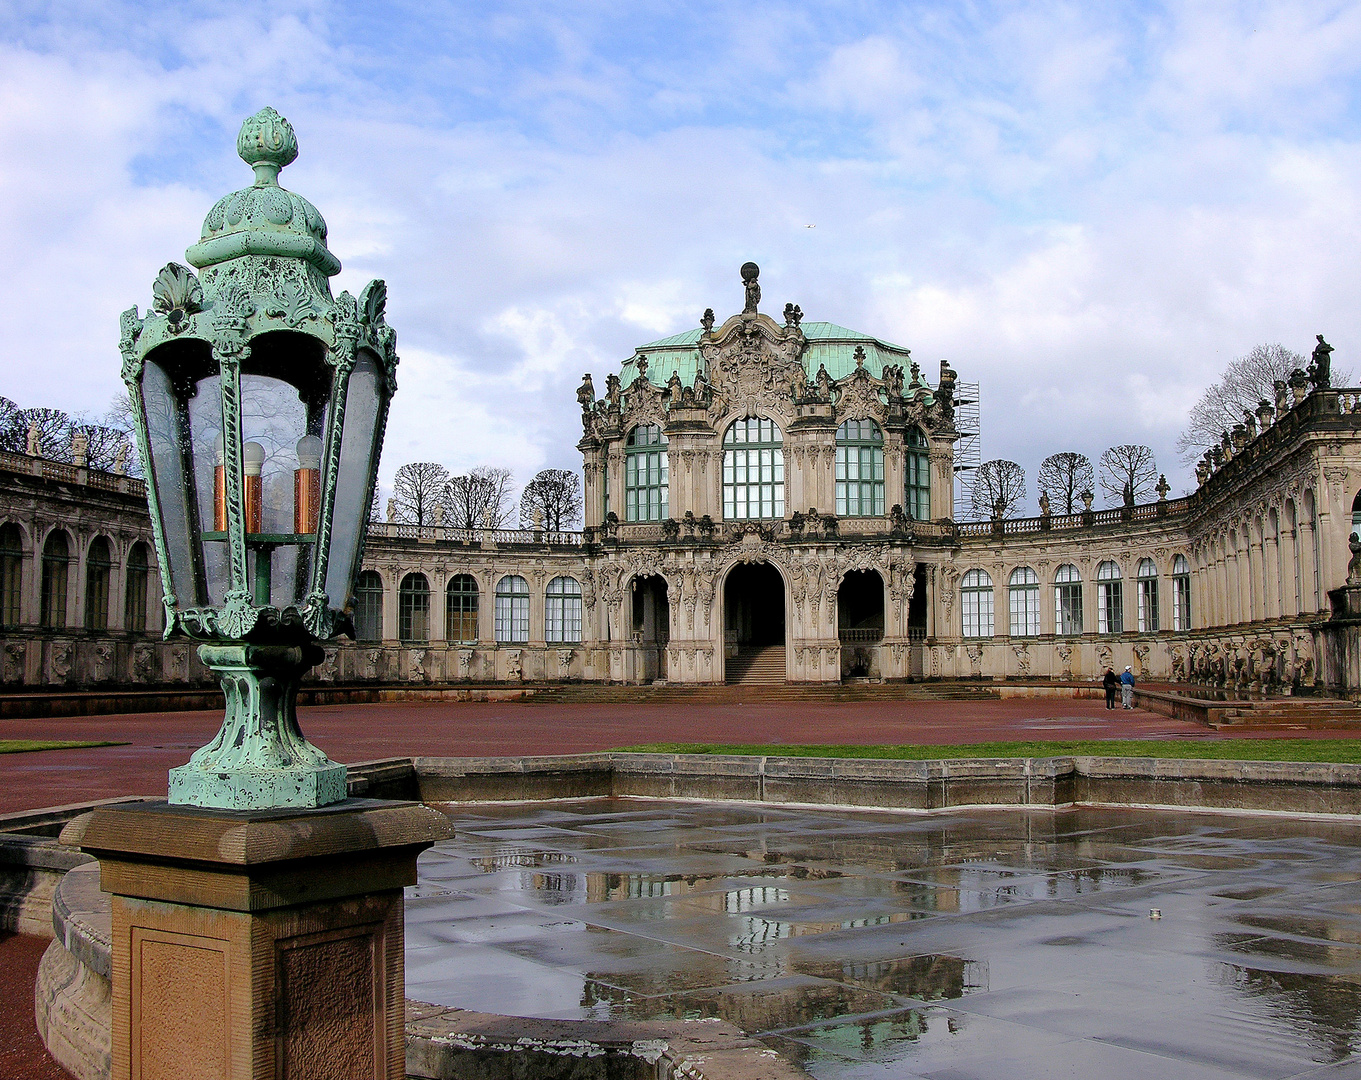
<point x="969" y="944"/>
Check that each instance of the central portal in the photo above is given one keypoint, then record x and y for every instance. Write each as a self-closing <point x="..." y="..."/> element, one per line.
<point x="753" y="624"/>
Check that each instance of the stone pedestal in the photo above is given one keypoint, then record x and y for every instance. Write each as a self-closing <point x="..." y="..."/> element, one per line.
<point x="252" y="944"/>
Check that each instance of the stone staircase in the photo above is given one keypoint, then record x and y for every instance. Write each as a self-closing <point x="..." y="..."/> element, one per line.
<point x="762" y="665"/>
<point x="756" y="693"/>
<point x="1286" y="713"/>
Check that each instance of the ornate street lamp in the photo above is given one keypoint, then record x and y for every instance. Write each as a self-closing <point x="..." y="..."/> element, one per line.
<point x="260" y="403"/>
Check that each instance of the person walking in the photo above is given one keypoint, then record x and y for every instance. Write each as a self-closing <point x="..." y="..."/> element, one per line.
<point x="1127" y="688"/>
<point x="1110" y="682"/>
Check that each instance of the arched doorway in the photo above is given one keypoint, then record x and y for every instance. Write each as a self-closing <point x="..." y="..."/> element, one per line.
<point x="860" y="622"/>
<point x="651" y="625"/>
<point x="754" y="624"/>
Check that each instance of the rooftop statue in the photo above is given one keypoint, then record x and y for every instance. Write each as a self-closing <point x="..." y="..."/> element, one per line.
<point x="750" y="272"/>
<point x="1320" y="364"/>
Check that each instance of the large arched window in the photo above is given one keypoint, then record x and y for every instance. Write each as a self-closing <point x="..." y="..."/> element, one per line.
<point x="859" y="469"/>
<point x="753" y="470"/>
<point x="1110" y="599"/>
<point x="135" y="587"/>
<point x="1312" y="513"/>
<point x="562" y="610"/>
<point x="1024" y="602"/>
<point x="1181" y="593"/>
<point x="98" y="571"/>
<point x="413" y="608"/>
<point x="512" y="610"/>
<point x="646" y="475"/>
<point x="1067" y="600"/>
<point x="368" y="607"/>
<point x="460" y="610"/>
<point x="975" y="603"/>
<point x="918" y="462"/>
<point x="56" y="577"/>
<point x="11" y="573"/>
<point x="1148" y="597"/>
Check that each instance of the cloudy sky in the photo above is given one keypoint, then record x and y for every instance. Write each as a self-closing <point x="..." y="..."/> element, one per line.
<point x="1088" y="208"/>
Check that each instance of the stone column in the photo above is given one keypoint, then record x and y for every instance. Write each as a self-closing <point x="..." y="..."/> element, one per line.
<point x="1271" y="582"/>
<point x="264" y="943"/>
<point x="391" y="583"/>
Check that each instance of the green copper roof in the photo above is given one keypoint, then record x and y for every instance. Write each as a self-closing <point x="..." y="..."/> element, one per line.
<point x="828" y="344"/>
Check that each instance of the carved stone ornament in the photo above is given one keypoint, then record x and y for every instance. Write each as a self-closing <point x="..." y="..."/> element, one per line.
<point x="176" y="294"/>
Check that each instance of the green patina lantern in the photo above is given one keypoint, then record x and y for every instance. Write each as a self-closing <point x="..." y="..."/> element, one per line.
<point x="260" y="403"/>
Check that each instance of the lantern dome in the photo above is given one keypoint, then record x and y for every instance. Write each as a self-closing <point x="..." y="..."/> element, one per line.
<point x="265" y="219"/>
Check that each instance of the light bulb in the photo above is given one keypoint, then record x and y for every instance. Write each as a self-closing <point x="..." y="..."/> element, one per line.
<point x="309" y="452"/>
<point x="252" y="458"/>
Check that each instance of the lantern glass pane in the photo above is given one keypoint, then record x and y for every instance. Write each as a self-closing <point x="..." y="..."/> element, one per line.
<point x="205" y="426"/>
<point x="274" y="416"/>
<point x="353" y="477"/>
<point x="167" y="434"/>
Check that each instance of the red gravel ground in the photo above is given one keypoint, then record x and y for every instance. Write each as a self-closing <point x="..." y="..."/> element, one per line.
<point x="21" y="1051"/>
<point x="350" y="733"/>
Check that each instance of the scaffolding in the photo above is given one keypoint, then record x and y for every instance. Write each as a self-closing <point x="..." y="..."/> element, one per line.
<point x="968" y="448"/>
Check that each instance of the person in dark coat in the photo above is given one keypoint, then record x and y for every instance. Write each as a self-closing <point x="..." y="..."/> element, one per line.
<point x="1111" y="683"/>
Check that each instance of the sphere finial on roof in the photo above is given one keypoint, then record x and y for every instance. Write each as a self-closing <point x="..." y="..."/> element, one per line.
<point x="267" y="143"/>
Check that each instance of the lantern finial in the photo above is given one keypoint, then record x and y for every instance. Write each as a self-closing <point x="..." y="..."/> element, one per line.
<point x="267" y="143"/>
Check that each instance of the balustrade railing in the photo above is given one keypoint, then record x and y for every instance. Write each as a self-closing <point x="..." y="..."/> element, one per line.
<point x="70" y="474"/>
<point x="1061" y="522"/>
<point x="861" y="635"/>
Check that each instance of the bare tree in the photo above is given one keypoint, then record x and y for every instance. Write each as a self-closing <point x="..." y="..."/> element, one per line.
<point x="55" y="429"/>
<point x="110" y="449"/>
<point x="418" y="493"/>
<point x="998" y="489"/>
<point x="555" y="496"/>
<point x="1128" y="474"/>
<point x="1064" y="477"/>
<point x="12" y="434"/>
<point x="479" y="500"/>
<point x="1247" y="382"/>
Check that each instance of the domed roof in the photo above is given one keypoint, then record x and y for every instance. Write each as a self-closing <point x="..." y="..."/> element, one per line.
<point x="264" y="219"/>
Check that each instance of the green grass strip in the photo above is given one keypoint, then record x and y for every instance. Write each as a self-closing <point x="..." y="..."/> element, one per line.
<point x="24" y="746"/>
<point x="1325" y="750"/>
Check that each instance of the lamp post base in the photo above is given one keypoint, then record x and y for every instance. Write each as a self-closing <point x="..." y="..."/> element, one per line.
<point x="259" y="759"/>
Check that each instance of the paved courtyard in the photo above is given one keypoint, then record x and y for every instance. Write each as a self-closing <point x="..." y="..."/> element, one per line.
<point x="157" y="742"/>
<point x="973" y="944"/>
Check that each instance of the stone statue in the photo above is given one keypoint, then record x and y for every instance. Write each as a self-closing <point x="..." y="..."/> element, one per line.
<point x="613" y="391"/>
<point x="1044" y="504"/>
<point x="35" y="441"/>
<point x="392" y="510"/>
<point x="823" y="382"/>
<point x="1320" y="365"/>
<point x="793" y="315"/>
<point x="1354" y="566"/>
<point x="120" y="460"/>
<point x="586" y="393"/>
<point x="707" y="320"/>
<point x="1127" y="493"/>
<point x="642" y="367"/>
<point x="673" y="384"/>
<point x="1163" y="487"/>
<point x="750" y="272"/>
<point x="80" y="449"/>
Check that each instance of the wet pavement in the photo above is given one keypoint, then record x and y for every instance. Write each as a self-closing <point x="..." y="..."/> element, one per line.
<point x="981" y="944"/>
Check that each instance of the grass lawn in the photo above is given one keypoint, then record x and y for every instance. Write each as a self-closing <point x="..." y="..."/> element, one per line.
<point x="1327" y="750"/>
<point x="23" y="746"/>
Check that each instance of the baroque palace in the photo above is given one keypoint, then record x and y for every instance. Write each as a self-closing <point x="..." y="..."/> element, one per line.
<point x="768" y="500"/>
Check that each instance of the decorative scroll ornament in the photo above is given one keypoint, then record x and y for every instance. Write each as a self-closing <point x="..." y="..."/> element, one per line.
<point x="238" y="617"/>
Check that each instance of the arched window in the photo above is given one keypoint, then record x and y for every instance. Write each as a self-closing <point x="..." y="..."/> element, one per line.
<point x="1312" y="512"/>
<point x="859" y="469"/>
<point x="413" y="608"/>
<point x="975" y="603"/>
<point x="11" y="573"/>
<point x="512" y="610"/>
<point x="1356" y="513"/>
<point x="135" y="587"/>
<point x="1110" y="599"/>
<point x="646" y="475"/>
<point x="98" y="570"/>
<point x="56" y="576"/>
<point x="562" y="610"/>
<point x="368" y="607"/>
<point x="918" y="503"/>
<point x="1181" y="593"/>
<point x="1148" y="597"/>
<point x="1024" y="595"/>
<point x="1068" y="600"/>
<point x="753" y="470"/>
<point x="460" y="610"/>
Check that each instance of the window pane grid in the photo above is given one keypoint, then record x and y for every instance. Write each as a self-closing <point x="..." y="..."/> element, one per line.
<point x="562" y="611"/>
<point x="511" y="613"/>
<point x="859" y="469"/>
<point x="976" y="604"/>
<point x="753" y="474"/>
<point x="368" y="607"/>
<point x="460" y="611"/>
<point x="646" y="475"/>
<point x="413" y="608"/>
<point x="1024" y="602"/>
<point x="11" y="574"/>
